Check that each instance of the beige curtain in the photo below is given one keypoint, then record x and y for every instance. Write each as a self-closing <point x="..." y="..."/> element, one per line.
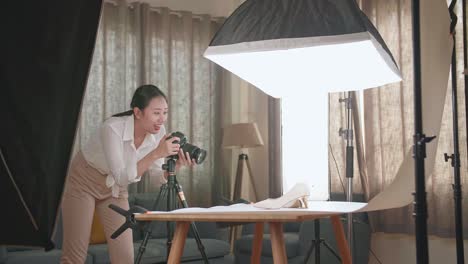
<point x="388" y="128"/>
<point x="138" y="44"/>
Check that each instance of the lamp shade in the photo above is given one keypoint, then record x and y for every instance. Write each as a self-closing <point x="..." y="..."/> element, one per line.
<point x="242" y="135"/>
<point x="279" y="45"/>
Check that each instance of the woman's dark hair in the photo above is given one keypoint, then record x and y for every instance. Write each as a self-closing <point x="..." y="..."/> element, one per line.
<point x="141" y="98"/>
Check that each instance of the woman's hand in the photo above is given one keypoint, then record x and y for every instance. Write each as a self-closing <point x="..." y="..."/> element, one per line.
<point x="167" y="147"/>
<point x="184" y="160"/>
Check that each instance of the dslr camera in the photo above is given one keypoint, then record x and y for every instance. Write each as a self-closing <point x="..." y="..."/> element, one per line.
<point x="195" y="152"/>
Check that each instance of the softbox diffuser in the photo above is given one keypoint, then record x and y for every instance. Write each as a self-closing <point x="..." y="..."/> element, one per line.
<point x="46" y="55"/>
<point x="282" y="45"/>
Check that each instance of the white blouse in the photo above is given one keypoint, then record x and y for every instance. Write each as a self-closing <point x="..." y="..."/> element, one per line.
<point x="111" y="150"/>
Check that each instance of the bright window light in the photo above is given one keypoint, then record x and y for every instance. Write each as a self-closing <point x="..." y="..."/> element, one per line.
<point x="305" y="142"/>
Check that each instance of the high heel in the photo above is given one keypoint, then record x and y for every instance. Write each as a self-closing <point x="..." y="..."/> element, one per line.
<point x="297" y="197"/>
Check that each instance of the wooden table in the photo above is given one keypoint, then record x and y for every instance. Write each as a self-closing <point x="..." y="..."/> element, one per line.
<point x="274" y="219"/>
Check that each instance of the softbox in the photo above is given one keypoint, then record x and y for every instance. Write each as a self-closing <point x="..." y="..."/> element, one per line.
<point x="279" y="45"/>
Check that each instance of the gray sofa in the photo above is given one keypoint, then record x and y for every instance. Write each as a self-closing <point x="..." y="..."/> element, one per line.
<point x="213" y="239"/>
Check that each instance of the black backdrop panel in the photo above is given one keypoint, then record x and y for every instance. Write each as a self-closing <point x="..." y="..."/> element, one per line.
<point x="46" y="49"/>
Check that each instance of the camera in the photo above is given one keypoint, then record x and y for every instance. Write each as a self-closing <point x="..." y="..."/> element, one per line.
<point x="195" y="152"/>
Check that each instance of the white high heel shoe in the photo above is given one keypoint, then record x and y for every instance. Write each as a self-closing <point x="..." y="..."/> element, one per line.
<point x="296" y="198"/>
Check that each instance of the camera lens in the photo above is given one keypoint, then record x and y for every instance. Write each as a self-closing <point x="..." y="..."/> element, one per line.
<point x="195" y="152"/>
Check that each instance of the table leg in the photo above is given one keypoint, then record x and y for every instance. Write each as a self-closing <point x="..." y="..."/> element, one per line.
<point x="277" y="243"/>
<point x="257" y="244"/>
<point x="341" y="239"/>
<point x="178" y="243"/>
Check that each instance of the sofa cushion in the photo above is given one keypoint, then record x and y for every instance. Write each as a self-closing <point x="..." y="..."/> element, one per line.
<point x="38" y="256"/>
<point x="3" y="254"/>
<point x="99" y="253"/>
<point x="156" y="250"/>
<point x="213" y="248"/>
<point x="288" y="227"/>
<point x="153" y="253"/>
<point x="291" y="240"/>
<point x="244" y="258"/>
<point x="210" y="230"/>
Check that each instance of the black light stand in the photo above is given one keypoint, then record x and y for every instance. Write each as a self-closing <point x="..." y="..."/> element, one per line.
<point x="419" y="147"/>
<point x="465" y="59"/>
<point x="455" y="157"/>
<point x="347" y="134"/>
<point x="316" y="245"/>
<point x="170" y="190"/>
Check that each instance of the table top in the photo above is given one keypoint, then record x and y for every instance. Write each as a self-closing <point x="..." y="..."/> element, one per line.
<point x="262" y="216"/>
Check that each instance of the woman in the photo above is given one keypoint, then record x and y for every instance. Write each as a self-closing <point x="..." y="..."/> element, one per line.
<point x="126" y="145"/>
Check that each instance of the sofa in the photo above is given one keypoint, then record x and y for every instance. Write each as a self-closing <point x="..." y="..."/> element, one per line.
<point x="214" y="240"/>
<point x="299" y="238"/>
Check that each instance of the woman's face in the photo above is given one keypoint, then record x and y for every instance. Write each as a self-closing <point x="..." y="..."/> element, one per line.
<point x="154" y="115"/>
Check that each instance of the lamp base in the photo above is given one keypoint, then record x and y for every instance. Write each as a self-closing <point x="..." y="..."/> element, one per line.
<point x="241" y="164"/>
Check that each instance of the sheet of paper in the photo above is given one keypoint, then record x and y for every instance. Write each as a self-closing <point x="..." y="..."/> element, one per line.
<point x="314" y="208"/>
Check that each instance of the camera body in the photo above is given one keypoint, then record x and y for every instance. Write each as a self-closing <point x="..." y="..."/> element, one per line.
<point x="195" y="152"/>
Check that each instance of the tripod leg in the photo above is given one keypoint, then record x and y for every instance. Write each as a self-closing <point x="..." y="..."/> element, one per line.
<point x="148" y="229"/>
<point x="315" y="243"/>
<point x="183" y="201"/>
<point x="171" y="205"/>
<point x="332" y="251"/>
<point x="251" y="178"/>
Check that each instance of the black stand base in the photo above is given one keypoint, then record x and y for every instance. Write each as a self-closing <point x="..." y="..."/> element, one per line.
<point x="316" y="242"/>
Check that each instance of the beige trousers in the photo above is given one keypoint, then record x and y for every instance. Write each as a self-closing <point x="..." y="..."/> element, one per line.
<point x="86" y="191"/>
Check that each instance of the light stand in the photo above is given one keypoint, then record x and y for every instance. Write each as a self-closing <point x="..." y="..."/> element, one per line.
<point x="455" y="157"/>
<point x="347" y="134"/>
<point x="419" y="147"/>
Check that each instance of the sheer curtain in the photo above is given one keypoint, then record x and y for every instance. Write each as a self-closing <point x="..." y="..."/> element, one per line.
<point x="138" y="44"/>
<point x="388" y="128"/>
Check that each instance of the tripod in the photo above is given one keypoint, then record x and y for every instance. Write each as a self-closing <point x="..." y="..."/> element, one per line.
<point x="170" y="190"/>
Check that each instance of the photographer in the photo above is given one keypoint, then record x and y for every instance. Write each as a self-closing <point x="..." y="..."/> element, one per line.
<point x="124" y="147"/>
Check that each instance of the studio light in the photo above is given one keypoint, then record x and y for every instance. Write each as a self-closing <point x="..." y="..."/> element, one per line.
<point x="279" y="45"/>
<point x="299" y="50"/>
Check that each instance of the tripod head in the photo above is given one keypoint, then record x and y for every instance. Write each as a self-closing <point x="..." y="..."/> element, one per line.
<point x="170" y="164"/>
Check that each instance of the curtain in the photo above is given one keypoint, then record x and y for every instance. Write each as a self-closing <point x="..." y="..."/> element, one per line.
<point x="138" y="44"/>
<point x="388" y="128"/>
